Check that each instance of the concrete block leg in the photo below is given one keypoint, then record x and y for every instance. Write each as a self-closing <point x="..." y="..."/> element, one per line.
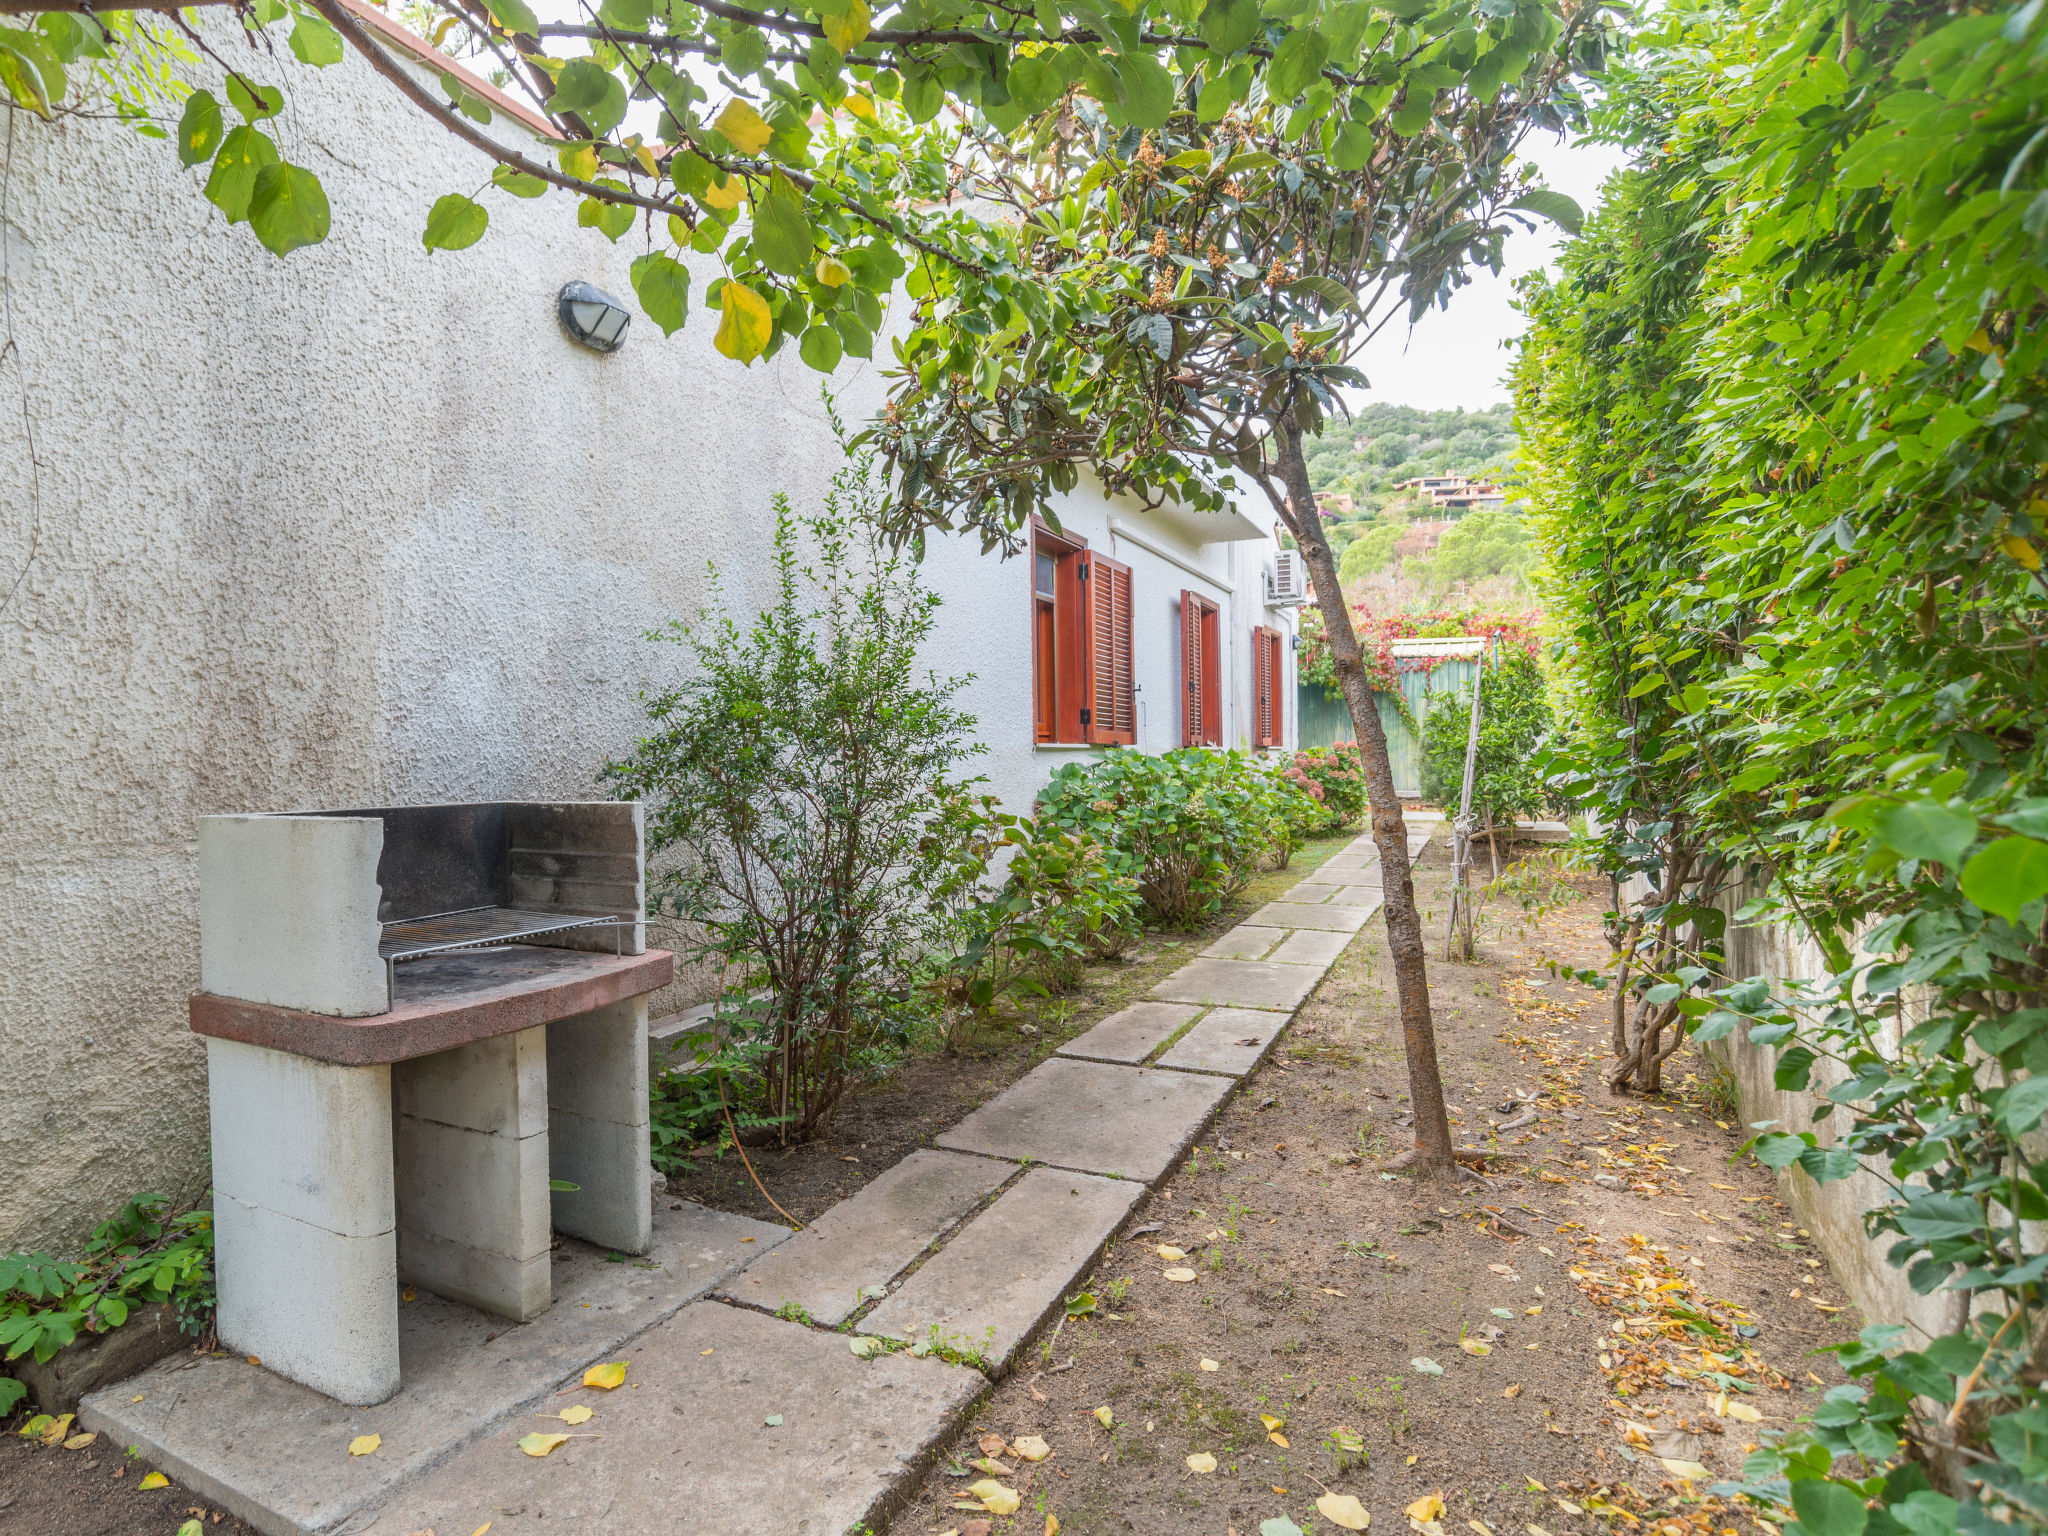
<point x="472" y="1173"/>
<point x="305" y="1256"/>
<point x="598" y="1125"/>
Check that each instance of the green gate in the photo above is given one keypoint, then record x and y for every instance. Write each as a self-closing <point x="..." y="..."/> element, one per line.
<point x="1325" y="721"/>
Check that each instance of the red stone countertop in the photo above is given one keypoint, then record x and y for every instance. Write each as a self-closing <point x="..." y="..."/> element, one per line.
<point x="444" y="1001"/>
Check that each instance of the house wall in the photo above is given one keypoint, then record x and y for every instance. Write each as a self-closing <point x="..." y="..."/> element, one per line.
<point x="357" y="527"/>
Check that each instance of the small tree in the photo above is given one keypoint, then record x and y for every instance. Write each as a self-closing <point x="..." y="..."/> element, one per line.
<point x="1514" y="717"/>
<point x="791" y="777"/>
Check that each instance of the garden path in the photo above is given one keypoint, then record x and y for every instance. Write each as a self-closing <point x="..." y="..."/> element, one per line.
<point x="799" y="1388"/>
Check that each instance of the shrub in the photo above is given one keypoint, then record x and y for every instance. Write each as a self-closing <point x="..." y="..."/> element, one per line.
<point x="1514" y="717"/>
<point x="1335" y="778"/>
<point x="146" y="1254"/>
<point x="791" y="780"/>
<point x="1190" y="826"/>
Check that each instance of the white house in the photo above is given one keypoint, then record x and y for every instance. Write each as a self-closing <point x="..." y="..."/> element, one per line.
<point x="366" y="527"/>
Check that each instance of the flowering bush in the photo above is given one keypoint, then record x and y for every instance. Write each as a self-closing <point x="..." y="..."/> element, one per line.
<point x="1377" y="633"/>
<point x="1334" y="778"/>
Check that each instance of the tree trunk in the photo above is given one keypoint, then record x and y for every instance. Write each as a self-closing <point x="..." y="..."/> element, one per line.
<point x="1389" y="832"/>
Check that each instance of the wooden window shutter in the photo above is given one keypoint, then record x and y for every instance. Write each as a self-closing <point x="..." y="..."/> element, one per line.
<point x="1112" y="696"/>
<point x="1190" y="669"/>
<point x="1276" y="675"/>
<point x="1212" y="674"/>
<point x="1262" y="689"/>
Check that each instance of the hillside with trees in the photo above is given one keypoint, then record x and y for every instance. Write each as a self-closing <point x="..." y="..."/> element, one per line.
<point x="1386" y="444"/>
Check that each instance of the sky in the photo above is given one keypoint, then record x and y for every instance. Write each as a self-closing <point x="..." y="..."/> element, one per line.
<point x="1456" y="357"/>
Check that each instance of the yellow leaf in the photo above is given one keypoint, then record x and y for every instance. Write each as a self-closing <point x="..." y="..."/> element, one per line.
<point x="644" y="157"/>
<point x="859" y="106"/>
<point x="1272" y="1421"/>
<point x="1342" y="1509"/>
<point x="1979" y="340"/>
<point x="990" y="1465"/>
<point x="1031" y="1448"/>
<point x="1277" y="1438"/>
<point x="152" y="1480"/>
<point x="849" y="28"/>
<point x="362" y="1445"/>
<point x="995" y="1498"/>
<point x="1102" y="1415"/>
<point x="1201" y="1461"/>
<point x="1429" y="1507"/>
<point x="833" y="272"/>
<point x="1171" y="1254"/>
<point x="1180" y="1276"/>
<point x="79" y="1442"/>
<point x="578" y="1414"/>
<point x="1474" y="1347"/>
<point x="1690" y="1470"/>
<point x="747" y="130"/>
<point x="580" y="163"/>
<point x="538" y="1444"/>
<point x="1512" y="1391"/>
<point x="744" y="323"/>
<point x="1744" y="1413"/>
<point x="722" y="195"/>
<point x="58" y="1428"/>
<point x="1481" y="1527"/>
<point x="1211" y="1365"/>
<point x="479" y="1531"/>
<point x="2022" y="550"/>
<point x="1052" y="1525"/>
<point x="606" y="1377"/>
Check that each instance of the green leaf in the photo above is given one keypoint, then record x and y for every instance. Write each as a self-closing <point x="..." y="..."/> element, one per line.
<point x="2007" y="875"/>
<point x="514" y="16"/>
<point x="744" y="52"/>
<point x="609" y="219"/>
<point x="1828" y="1509"/>
<point x="200" y="129"/>
<point x="1279" y="1525"/>
<point x="1228" y="25"/>
<point x="232" y="182"/>
<point x="1296" y="63"/>
<point x="1562" y="211"/>
<point x="255" y="102"/>
<point x="518" y="183"/>
<point x="454" y="223"/>
<point x="315" y="42"/>
<point x="592" y="92"/>
<point x="288" y="208"/>
<point x="1927" y="829"/>
<point x="662" y="285"/>
<point x="30" y="69"/>
<point x="1148" y="89"/>
<point x="2023" y="1105"/>
<point x="782" y="236"/>
<point x="1353" y="147"/>
<point x="820" y="348"/>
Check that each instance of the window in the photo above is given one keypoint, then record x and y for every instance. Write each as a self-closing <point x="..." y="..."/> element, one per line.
<point x="1201" y="714"/>
<point x="1269" y="712"/>
<point x="1082" y="683"/>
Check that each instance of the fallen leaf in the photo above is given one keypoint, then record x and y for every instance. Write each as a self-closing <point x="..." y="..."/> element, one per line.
<point x="1328" y="1292"/>
<point x="198" y="1528"/>
<point x="362" y="1445"/>
<point x="538" y="1444"/>
<point x="1279" y="1525"/>
<point x="1514" y="1389"/>
<point x="152" y="1480"/>
<point x="1171" y="1254"/>
<point x="1429" y="1507"/>
<point x="1180" y="1276"/>
<point x="1474" y="1347"/>
<point x="1412" y="1460"/>
<point x="1536" y="1530"/>
<point x="863" y="1347"/>
<point x="991" y="1466"/>
<point x="1052" y="1525"/>
<point x="1502" y="1269"/>
<point x="606" y="1377"/>
<point x="1101" y="1415"/>
<point x="1031" y="1448"/>
<point x="995" y="1498"/>
<point x="1343" y="1509"/>
<point x="1272" y="1421"/>
<point x="1211" y="1365"/>
<point x="1569" y="1507"/>
<point x="577" y="1414"/>
<point x="1481" y="1527"/>
<point x="1532" y="1311"/>
<point x="1722" y="1186"/>
<point x="1277" y="1438"/>
<point x="1744" y="1413"/>
<point x="80" y="1442"/>
<point x="1691" y="1470"/>
<point x="1427" y="1366"/>
<point x="479" y="1531"/>
<point x="993" y="1445"/>
<point x="255" y="1359"/>
<point x="58" y="1428"/>
<point x="707" y="1351"/>
<point x="1201" y="1461"/>
<point x="773" y="1421"/>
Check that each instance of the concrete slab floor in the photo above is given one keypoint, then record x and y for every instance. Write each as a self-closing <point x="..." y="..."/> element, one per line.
<point x="986" y="1290"/>
<point x="731" y="1423"/>
<point x="1311" y="947"/>
<point x="1229" y="1040"/>
<point x="1130" y="1121"/>
<point x="869" y="1239"/>
<point x="1131" y="1034"/>
<point x="276" y="1453"/>
<point x="1243" y="983"/>
<point x="1289" y="914"/>
<point x="1245" y="942"/>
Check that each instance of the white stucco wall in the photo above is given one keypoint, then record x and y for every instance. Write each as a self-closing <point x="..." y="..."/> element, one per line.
<point x="357" y="527"/>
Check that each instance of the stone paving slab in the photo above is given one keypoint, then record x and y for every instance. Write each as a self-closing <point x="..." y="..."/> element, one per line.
<point x="1130" y="1034"/>
<point x="1246" y="983"/>
<point x="871" y="1238"/>
<point x="987" y="1289"/>
<point x="1131" y="1121"/>
<point x="276" y="1453"/>
<point x="1311" y="946"/>
<point x="1289" y="914"/>
<point x="1244" y="942"/>
<point x="685" y="1449"/>
<point x="1367" y="896"/>
<point x="1232" y="1040"/>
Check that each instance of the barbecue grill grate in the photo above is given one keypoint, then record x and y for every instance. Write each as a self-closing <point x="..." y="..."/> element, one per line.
<point x="411" y="938"/>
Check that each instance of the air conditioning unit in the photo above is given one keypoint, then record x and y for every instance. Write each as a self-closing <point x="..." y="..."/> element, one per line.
<point x="1286" y="581"/>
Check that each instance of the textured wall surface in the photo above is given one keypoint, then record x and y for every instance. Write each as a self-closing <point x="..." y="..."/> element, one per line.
<point x="357" y="527"/>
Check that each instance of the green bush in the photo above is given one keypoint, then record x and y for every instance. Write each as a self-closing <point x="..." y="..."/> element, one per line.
<point x="1190" y="827"/>
<point x="146" y="1254"/>
<point x="1514" y="717"/>
<point x="1334" y="777"/>
<point x="789" y="783"/>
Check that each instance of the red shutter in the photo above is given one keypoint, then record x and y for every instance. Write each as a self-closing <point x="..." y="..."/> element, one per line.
<point x="1112" y="701"/>
<point x="1276" y="675"/>
<point x="1262" y="688"/>
<point x="1191" y="669"/>
<point x="1212" y="674"/>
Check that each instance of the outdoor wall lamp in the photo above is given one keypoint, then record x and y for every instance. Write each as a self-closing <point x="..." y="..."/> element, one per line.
<point x="592" y="317"/>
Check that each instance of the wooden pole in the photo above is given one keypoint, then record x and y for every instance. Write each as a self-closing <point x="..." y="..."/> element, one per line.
<point x="1461" y="835"/>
